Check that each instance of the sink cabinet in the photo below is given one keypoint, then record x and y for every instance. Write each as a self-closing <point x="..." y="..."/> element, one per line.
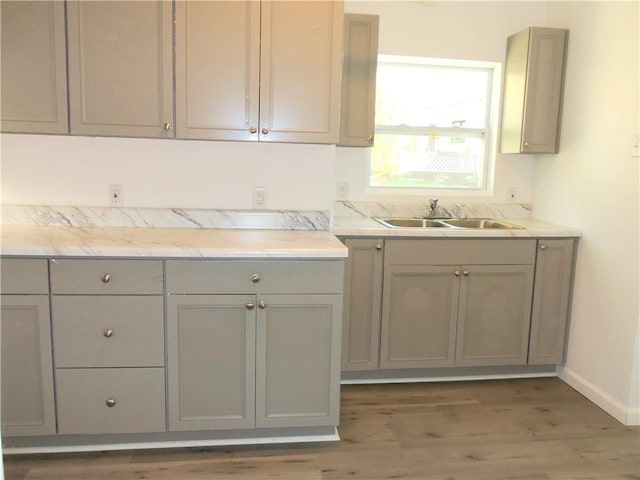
<point x="27" y="369"/>
<point x="456" y="303"/>
<point x="267" y="71"/>
<point x="253" y="344"/>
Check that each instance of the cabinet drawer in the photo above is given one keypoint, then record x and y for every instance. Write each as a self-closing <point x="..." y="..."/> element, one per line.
<point x="136" y="395"/>
<point x="106" y="276"/>
<point x="24" y="276"/>
<point x="460" y="252"/>
<point x="108" y="331"/>
<point x="230" y="276"/>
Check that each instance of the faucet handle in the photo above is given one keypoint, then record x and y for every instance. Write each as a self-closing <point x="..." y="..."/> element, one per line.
<point x="433" y="203"/>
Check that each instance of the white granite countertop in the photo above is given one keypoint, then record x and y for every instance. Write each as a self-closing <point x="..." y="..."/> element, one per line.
<point x="368" y="227"/>
<point x="39" y="240"/>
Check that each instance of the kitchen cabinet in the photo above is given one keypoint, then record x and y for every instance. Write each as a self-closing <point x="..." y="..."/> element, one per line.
<point x="108" y="336"/>
<point x="27" y="369"/>
<point x="362" y="304"/>
<point x="357" y="118"/>
<point x="253" y="344"/>
<point x="267" y="71"/>
<point x="120" y="68"/>
<point x="551" y="300"/>
<point x="533" y="84"/>
<point x="34" y="71"/>
<point x="456" y="302"/>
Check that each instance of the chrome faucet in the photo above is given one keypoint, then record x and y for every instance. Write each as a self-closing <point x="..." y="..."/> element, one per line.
<point x="433" y="207"/>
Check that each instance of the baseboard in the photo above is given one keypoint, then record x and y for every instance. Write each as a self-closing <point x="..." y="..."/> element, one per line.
<point x="618" y="410"/>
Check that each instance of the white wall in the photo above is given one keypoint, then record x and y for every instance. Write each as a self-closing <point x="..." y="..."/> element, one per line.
<point x="593" y="184"/>
<point x="64" y="170"/>
<point x="472" y="30"/>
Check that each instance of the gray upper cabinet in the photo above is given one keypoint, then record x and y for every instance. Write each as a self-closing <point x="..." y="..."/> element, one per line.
<point x="357" y="109"/>
<point x="551" y="300"/>
<point x="362" y="304"/>
<point x="533" y="83"/>
<point x="267" y="71"/>
<point x="217" y="70"/>
<point x="120" y="68"/>
<point x="34" y="73"/>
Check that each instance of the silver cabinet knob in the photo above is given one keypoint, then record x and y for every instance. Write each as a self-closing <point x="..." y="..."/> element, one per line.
<point x="255" y="278"/>
<point x="526" y="144"/>
<point x="253" y="130"/>
<point x="167" y="127"/>
<point x="543" y="247"/>
<point x="106" y="278"/>
<point x="108" y="333"/>
<point x="370" y="138"/>
<point x="111" y="402"/>
<point x="378" y="246"/>
<point x="457" y="273"/>
<point x="250" y="306"/>
<point x="262" y="304"/>
<point x="265" y="131"/>
<point x="465" y="273"/>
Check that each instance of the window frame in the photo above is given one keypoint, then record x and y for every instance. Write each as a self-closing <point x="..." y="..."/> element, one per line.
<point x="488" y="133"/>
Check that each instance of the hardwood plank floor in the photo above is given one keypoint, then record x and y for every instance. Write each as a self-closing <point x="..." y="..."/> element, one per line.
<point x="526" y="429"/>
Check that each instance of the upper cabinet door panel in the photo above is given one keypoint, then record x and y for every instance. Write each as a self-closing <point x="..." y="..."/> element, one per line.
<point x="217" y="70"/>
<point x="120" y="68"/>
<point x="34" y="75"/>
<point x="301" y="65"/>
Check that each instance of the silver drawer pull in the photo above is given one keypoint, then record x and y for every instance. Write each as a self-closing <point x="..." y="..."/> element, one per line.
<point x="457" y="273"/>
<point x="108" y="333"/>
<point x="465" y="273"/>
<point x="250" y="306"/>
<point x="111" y="402"/>
<point x="106" y="278"/>
<point x="255" y="278"/>
<point x="262" y="304"/>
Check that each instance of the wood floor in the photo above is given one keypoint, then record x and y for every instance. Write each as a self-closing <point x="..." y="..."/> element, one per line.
<point x="528" y="429"/>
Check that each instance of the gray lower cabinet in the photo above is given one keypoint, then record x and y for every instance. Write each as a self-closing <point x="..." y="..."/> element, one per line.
<point x="27" y="369"/>
<point x="34" y="67"/>
<point x="362" y="304"/>
<point x="440" y="313"/>
<point x="108" y="337"/>
<point x="120" y="68"/>
<point x="253" y="344"/>
<point x="551" y="300"/>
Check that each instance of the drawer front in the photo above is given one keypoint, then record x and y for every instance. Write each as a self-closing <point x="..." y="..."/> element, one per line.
<point x="230" y="276"/>
<point x="460" y="252"/>
<point x="108" y="331"/>
<point x="116" y="277"/>
<point x="136" y="396"/>
<point x="24" y="276"/>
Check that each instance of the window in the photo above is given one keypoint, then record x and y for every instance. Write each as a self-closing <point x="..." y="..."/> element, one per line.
<point x="433" y="124"/>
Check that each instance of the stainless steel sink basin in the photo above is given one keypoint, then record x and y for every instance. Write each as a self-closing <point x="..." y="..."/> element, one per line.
<point x="480" y="223"/>
<point x="410" y="222"/>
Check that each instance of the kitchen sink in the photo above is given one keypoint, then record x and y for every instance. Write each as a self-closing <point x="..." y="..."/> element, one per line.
<point x="480" y="223"/>
<point x="410" y="222"/>
<point x="472" y="223"/>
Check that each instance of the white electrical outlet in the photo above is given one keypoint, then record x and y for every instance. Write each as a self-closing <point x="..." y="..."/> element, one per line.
<point x="259" y="197"/>
<point x="116" y="195"/>
<point x="342" y="190"/>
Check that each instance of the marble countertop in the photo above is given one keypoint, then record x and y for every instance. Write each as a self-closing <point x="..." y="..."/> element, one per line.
<point x="39" y="240"/>
<point x="367" y="227"/>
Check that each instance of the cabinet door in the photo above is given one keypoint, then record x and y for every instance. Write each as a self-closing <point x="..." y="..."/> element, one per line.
<point x="27" y="371"/>
<point x="495" y="309"/>
<point x="121" y="68"/>
<point x="211" y="361"/>
<point x="357" y="117"/>
<point x="362" y="305"/>
<point x="301" y="64"/>
<point x="551" y="300"/>
<point x="298" y="360"/>
<point x="419" y="311"/>
<point x="217" y="70"/>
<point x="34" y="70"/>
